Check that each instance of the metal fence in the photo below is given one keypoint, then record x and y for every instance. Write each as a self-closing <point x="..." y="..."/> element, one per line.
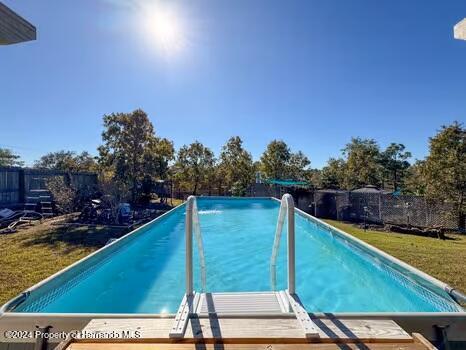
<point x="376" y="208"/>
<point x="302" y="197"/>
<point x="382" y="208"/>
<point x="16" y="184"/>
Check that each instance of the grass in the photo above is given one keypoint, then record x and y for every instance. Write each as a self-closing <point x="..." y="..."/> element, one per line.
<point x="175" y="201"/>
<point x="443" y="259"/>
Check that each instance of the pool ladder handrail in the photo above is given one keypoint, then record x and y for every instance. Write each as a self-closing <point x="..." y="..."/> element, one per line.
<point x="286" y="210"/>
<point x="188" y="304"/>
<point x="193" y="226"/>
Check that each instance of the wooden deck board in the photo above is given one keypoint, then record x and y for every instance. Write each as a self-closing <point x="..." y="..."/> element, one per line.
<point x="119" y="346"/>
<point x="258" y="329"/>
<point x="251" y="334"/>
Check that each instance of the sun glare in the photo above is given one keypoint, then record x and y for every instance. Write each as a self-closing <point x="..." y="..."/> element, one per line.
<point x="163" y="28"/>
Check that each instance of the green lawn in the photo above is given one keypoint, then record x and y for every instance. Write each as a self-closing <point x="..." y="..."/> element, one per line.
<point x="443" y="259"/>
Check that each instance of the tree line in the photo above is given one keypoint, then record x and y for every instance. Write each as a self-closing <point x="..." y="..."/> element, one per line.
<point x="132" y="157"/>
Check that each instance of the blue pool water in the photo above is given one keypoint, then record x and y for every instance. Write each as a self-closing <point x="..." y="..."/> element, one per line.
<point x="147" y="273"/>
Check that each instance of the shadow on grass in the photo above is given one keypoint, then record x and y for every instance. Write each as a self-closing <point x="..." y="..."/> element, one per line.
<point x="74" y="236"/>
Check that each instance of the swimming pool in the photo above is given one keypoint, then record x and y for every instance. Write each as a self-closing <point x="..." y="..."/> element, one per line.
<point x="143" y="273"/>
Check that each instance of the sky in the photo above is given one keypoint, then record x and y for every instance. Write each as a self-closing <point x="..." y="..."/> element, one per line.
<point x="313" y="73"/>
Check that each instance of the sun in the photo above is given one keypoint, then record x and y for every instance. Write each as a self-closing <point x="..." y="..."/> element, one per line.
<point x="163" y="27"/>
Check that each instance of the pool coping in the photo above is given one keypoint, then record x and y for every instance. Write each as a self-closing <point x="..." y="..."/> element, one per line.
<point x="15" y="301"/>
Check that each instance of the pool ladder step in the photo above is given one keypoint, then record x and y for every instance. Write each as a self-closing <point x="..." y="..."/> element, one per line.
<point x="261" y="303"/>
<point x="242" y="304"/>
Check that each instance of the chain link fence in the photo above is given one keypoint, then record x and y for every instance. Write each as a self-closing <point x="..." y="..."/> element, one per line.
<point x="382" y="208"/>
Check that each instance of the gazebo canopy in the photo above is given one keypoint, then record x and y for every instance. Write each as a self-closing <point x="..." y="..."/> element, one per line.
<point x="287" y="183"/>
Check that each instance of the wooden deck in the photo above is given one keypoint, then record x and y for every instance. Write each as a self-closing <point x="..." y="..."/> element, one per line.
<point x="115" y="346"/>
<point x="247" y="333"/>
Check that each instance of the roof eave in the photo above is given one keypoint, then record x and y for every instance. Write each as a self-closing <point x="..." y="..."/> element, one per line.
<point x="14" y="28"/>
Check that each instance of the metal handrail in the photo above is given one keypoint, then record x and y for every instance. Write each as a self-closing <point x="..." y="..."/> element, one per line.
<point x="192" y="224"/>
<point x="286" y="207"/>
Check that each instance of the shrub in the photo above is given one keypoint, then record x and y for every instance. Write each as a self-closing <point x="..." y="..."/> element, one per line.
<point x="63" y="194"/>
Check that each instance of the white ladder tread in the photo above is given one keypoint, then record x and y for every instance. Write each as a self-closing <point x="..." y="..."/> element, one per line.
<point x="240" y="303"/>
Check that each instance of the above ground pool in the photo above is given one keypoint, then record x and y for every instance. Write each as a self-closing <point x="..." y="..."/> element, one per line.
<point x="144" y="272"/>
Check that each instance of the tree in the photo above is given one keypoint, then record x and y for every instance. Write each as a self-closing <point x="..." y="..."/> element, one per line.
<point x="394" y="161"/>
<point x="161" y="153"/>
<point x="298" y="166"/>
<point x="278" y="162"/>
<point x="333" y="175"/>
<point x="314" y="177"/>
<point x="8" y="158"/>
<point x="67" y="161"/>
<point x="86" y="162"/>
<point x="236" y="167"/>
<point x="415" y="182"/>
<point x="275" y="159"/>
<point x="132" y="151"/>
<point x="362" y="163"/>
<point x="64" y="195"/>
<point x="194" y="166"/>
<point x="444" y="168"/>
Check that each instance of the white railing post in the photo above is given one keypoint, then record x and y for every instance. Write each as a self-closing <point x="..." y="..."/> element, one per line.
<point x="189" y="244"/>
<point x="200" y="245"/>
<point x="286" y="207"/>
<point x="187" y="304"/>
<point x="291" y="244"/>
<point x="192" y="227"/>
<point x="276" y="245"/>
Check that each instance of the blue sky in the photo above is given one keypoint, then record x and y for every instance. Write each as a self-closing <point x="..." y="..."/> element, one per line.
<point x="313" y="72"/>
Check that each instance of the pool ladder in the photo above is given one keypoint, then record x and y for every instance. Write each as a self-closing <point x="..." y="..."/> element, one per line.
<point x="241" y="303"/>
<point x="287" y="212"/>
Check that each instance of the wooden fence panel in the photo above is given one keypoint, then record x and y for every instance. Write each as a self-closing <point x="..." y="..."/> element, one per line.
<point x="16" y="184"/>
<point x="9" y="185"/>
